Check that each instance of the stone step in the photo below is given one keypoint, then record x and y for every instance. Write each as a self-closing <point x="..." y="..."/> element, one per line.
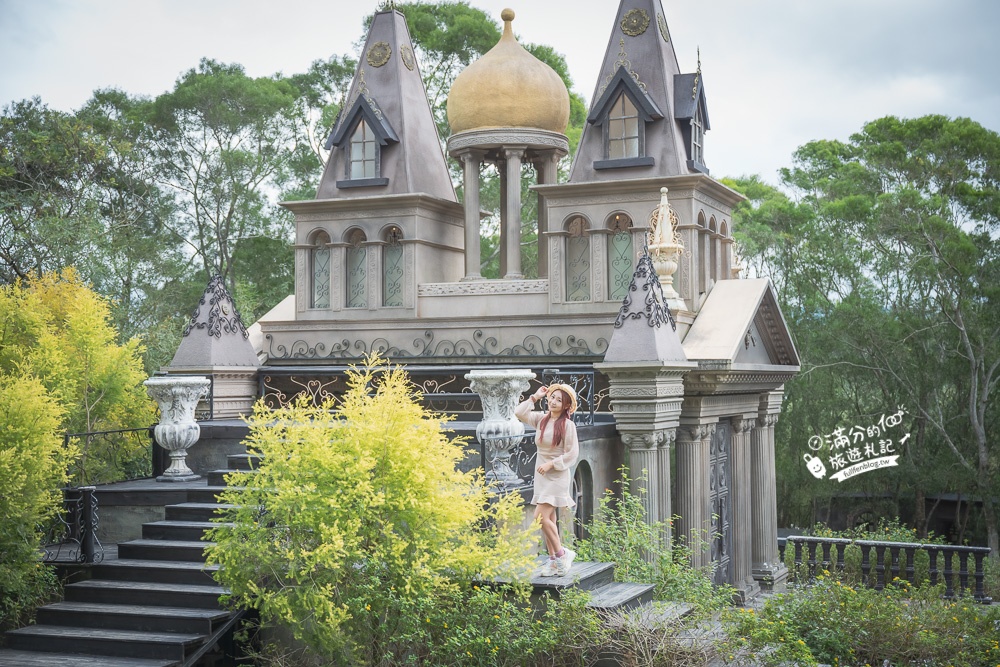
<point x="182" y="550"/>
<point x="95" y="641"/>
<point x="218" y="477"/>
<point x="190" y="531"/>
<point x="194" y="511"/>
<point x="205" y="494"/>
<point x="145" y="593"/>
<point x="13" y="658"/>
<point x="161" y="571"/>
<point x="243" y="461"/>
<point x="588" y="576"/>
<point x="619" y="596"/>
<point x="143" y="618"/>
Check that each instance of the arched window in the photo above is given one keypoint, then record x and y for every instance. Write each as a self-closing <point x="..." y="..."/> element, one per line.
<point x="357" y="258"/>
<point x="392" y="269"/>
<point x="364" y="152"/>
<point x="623" y="129"/>
<point x="577" y="261"/>
<point x="620" y="265"/>
<point x="319" y="262"/>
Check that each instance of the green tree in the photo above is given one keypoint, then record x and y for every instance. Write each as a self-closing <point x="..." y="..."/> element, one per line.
<point x="56" y="329"/>
<point x="358" y="517"/>
<point x="32" y="468"/>
<point x="893" y="256"/>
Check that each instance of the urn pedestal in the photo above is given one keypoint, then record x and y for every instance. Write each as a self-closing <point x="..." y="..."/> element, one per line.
<point x="500" y="431"/>
<point x="177" y="431"/>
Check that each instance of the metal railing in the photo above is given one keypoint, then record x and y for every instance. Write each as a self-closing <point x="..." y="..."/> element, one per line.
<point x="72" y="536"/>
<point x="893" y="561"/>
<point x="111" y="450"/>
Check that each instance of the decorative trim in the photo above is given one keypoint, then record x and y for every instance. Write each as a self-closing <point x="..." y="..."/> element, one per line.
<point x="362" y="183"/>
<point x="624" y="63"/>
<point x="662" y="23"/>
<point x="426" y="347"/>
<point x="220" y="320"/>
<point x="379" y="54"/>
<point x="635" y="22"/>
<point x="622" y="163"/>
<point x="654" y="309"/>
<point x="406" y="55"/>
<point x="503" y="137"/>
<point x="490" y="287"/>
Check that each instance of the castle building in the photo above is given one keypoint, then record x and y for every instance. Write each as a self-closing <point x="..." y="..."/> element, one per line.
<point x="637" y="287"/>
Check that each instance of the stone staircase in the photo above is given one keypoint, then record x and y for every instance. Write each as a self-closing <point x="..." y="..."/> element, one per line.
<point x="155" y="606"/>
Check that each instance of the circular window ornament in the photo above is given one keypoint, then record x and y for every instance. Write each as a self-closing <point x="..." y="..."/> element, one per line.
<point x="406" y="55"/>
<point x="635" y="22"/>
<point x="379" y="54"/>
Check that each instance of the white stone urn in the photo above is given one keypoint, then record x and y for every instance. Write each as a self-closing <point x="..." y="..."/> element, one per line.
<point x="499" y="431"/>
<point x="177" y="396"/>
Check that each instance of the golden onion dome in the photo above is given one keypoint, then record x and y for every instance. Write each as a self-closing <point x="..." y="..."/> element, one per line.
<point x="508" y="87"/>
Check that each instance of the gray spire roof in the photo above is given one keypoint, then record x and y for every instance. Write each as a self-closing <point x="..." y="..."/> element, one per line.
<point x="215" y="336"/>
<point x="640" y="60"/>
<point x="388" y="93"/>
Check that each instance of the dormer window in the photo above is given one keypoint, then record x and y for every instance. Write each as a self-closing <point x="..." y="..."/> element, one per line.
<point x="358" y="139"/>
<point x="364" y="153"/>
<point x="624" y="109"/>
<point x="623" y="129"/>
<point x="698" y="137"/>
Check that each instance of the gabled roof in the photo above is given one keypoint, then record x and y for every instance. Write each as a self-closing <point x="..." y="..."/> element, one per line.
<point x="387" y="84"/>
<point x="689" y="93"/>
<point x="741" y="323"/>
<point x="367" y="109"/>
<point x="622" y="81"/>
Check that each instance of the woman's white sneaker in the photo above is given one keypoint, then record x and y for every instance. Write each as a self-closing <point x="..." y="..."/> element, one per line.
<point x="564" y="563"/>
<point x="549" y="569"/>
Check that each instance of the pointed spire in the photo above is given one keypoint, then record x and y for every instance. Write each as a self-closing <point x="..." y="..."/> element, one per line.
<point x="388" y="94"/>
<point x="641" y="63"/>
<point x="215" y="335"/>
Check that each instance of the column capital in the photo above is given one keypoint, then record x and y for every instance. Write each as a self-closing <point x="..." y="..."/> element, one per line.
<point x="648" y="440"/>
<point x="742" y="424"/>
<point x="512" y="152"/>
<point x="471" y="155"/>
<point x="695" y="432"/>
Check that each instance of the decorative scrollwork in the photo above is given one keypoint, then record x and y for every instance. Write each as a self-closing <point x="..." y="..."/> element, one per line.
<point x="653" y="308"/>
<point x="318" y="390"/>
<point x="223" y="318"/>
<point x="635" y="22"/>
<point x="622" y="62"/>
<point x="662" y="23"/>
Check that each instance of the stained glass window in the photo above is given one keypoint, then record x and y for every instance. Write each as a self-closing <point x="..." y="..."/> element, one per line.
<point x="392" y="269"/>
<point x="578" y="261"/>
<point x="357" y="256"/>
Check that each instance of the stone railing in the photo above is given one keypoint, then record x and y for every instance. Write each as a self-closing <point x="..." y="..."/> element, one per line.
<point x="893" y="561"/>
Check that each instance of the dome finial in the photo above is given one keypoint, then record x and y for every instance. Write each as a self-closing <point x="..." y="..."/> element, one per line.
<point x="507" y="15"/>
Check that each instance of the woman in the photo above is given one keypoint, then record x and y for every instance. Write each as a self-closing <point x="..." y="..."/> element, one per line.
<point x="558" y="448"/>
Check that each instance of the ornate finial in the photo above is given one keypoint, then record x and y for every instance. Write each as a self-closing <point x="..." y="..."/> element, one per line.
<point x="697" y="77"/>
<point x="387" y="5"/>
<point x="663" y="224"/>
<point x="507" y="15"/>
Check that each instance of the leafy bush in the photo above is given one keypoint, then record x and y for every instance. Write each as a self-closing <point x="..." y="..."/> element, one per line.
<point x="642" y="553"/>
<point x="835" y="623"/>
<point x="55" y="328"/>
<point x="32" y="468"/>
<point x="358" y="523"/>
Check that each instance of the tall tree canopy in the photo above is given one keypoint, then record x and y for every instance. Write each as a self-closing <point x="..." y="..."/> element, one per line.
<point x="889" y="260"/>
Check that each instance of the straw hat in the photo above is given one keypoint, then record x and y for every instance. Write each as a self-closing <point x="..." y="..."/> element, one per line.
<point x="568" y="390"/>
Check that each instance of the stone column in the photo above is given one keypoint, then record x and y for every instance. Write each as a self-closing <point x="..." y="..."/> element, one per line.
<point x="768" y="570"/>
<point x="742" y="553"/>
<point x="547" y="169"/>
<point x="512" y="223"/>
<point x="472" y="161"/>
<point x="663" y="456"/>
<point x="644" y="469"/>
<point x="694" y="524"/>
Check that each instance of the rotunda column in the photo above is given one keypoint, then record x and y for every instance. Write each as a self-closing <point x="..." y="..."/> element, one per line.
<point x="546" y="167"/>
<point x="512" y="222"/>
<point x="472" y="161"/>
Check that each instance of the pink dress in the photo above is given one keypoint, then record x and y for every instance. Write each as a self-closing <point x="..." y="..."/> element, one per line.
<point x="556" y="486"/>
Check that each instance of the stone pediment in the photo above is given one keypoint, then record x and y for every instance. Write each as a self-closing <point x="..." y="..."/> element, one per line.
<point x="741" y="326"/>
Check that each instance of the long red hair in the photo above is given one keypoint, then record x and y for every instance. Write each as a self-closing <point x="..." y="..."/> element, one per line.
<point x="559" y="430"/>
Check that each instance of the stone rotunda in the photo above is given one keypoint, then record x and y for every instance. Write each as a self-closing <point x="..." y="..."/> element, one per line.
<point x="507" y="108"/>
<point x="679" y="361"/>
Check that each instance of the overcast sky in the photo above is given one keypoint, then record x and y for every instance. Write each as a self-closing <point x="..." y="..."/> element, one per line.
<point x="777" y="73"/>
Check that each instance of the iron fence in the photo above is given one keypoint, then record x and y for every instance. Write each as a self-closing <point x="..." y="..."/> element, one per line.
<point x="893" y="562"/>
<point x="111" y="456"/>
<point x="72" y="535"/>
